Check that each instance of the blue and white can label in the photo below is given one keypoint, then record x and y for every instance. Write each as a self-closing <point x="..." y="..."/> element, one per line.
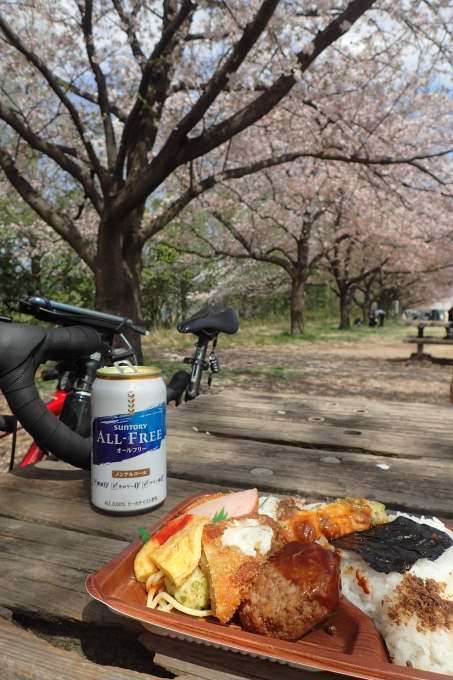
<point x="121" y="437"/>
<point x="128" y="470"/>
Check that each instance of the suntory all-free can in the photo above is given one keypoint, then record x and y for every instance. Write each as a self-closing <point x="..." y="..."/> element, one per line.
<point x="128" y="463"/>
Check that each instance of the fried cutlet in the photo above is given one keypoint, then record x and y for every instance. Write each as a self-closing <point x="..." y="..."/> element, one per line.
<point x="233" y="551"/>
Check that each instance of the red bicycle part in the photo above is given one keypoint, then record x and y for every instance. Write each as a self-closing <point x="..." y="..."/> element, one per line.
<point x="34" y="453"/>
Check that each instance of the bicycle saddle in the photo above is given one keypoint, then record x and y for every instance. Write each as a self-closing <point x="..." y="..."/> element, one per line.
<point x="210" y="321"/>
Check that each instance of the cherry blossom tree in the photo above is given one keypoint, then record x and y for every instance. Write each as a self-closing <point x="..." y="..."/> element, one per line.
<point x="387" y="240"/>
<point x="363" y="228"/>
<point x="372" y="248"/>
<point x="269" y="218"/>
<point x="111" y="100"/>
<point x="352" y="261"/>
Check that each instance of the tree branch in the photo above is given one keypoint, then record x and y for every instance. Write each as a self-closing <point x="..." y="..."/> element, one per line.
<point x="166" y="160"/>
<point x="239" y="121"/>
<point x="252" y="254"/>
<point x="131" y="34"/>
<point x="57" y="220"/>
<point x="197" y="188"/>
<point x="54" y="83"/>
<point x="219" y="80"/>
<point x="90" y="97"/>
<point x="129" y="200"/>
<point x="103" y="98"/>
<point x="367" y="272"/>
<point x="191" y="251"/>
<point x="53" y="151"/>
<point x="215" y="251"/>
<point x="276" y="249"/>
<point x="142" y="120"/>
<point x="270" y="218"/>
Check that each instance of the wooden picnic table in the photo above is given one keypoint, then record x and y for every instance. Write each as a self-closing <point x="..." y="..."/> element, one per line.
<point x="421" y="339"/>
<point x="52" y="539"/>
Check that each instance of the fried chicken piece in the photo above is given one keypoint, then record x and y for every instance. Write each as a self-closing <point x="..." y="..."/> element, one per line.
<point x="297" y="588"/>
<point x="330" y="520"/>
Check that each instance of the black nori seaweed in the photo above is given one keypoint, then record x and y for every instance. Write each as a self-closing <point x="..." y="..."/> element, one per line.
<point x="397" y="545"/>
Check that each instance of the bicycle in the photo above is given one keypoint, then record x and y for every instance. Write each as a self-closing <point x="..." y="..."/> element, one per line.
<point x="82" y="342"/>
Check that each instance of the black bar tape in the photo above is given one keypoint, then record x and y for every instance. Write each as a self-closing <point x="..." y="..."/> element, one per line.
<point x="67" y="342"/>
<point x="23" y="398"/>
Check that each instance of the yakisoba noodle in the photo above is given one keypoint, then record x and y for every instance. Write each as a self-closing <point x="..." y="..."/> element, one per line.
<point x="157" y="595"/>
<point x="174" y="604"/>
<point x="154" y="579"/>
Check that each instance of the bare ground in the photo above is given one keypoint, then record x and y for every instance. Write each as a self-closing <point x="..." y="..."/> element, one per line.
<point x="376" y="370"/>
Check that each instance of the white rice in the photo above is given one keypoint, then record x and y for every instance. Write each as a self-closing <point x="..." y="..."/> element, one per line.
<point x="409" y="642"/>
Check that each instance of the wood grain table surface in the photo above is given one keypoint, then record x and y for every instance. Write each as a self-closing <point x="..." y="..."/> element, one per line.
<point x="318" y="448"/>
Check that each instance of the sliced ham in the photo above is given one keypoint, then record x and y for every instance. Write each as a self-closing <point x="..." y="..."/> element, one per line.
<point x="232" y="504"/>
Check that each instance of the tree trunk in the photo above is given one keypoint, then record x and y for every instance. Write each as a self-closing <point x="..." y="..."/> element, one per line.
<point x="118" y="270"/>
<point x="345" y="299"/>
<point x="297" y="305"/>
<point x="366" y="307"/>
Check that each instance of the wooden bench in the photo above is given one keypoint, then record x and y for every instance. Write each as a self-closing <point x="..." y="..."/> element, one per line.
<point x="421" y="339"/>
<point x="421" y="325"/>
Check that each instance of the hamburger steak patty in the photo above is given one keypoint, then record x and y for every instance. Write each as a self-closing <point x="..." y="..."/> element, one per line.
<point x="297" y="588"/>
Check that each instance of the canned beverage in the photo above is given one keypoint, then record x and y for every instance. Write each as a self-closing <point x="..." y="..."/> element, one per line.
<point x="128" y="463"/>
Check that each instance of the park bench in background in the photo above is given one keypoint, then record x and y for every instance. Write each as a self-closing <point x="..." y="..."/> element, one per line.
<point x="421" y="339"/>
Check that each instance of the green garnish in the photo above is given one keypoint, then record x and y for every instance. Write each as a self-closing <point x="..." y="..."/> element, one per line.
<point x="144" y="535"/>
<point x="220" y="516"/>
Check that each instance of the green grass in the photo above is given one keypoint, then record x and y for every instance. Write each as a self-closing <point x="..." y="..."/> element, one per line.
<point x="255" y="334"/>
<point x="274" y="332"/>
<point x="237" y="376"/>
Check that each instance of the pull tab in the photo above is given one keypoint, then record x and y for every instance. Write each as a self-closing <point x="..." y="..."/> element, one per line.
<point x="125" y="366"/>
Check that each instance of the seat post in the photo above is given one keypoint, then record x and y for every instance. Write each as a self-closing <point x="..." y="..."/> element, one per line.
<point x="198" y="366"/>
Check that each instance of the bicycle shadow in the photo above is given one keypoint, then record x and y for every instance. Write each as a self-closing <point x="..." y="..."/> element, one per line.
<point x="53" y="470"/>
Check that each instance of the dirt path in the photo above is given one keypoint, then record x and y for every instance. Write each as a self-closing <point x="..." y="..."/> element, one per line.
<point x="376" y="371"/>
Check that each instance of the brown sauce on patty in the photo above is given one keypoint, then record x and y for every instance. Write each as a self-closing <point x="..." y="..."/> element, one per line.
<point x="313" y="569"/>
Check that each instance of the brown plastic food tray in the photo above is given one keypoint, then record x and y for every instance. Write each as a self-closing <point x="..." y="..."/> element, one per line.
<point x="350" y="644"/>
